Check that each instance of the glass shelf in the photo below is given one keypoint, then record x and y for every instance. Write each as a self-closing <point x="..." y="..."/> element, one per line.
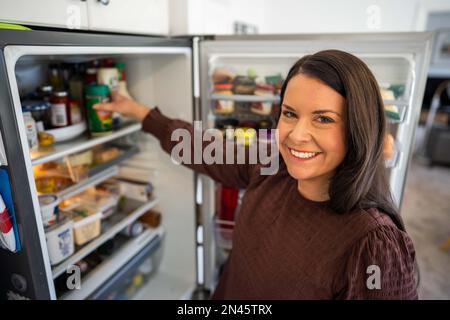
<point x="59" y="150"/>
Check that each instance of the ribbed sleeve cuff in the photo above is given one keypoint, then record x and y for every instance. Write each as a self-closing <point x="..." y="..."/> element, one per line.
<point x="156" y="123"/>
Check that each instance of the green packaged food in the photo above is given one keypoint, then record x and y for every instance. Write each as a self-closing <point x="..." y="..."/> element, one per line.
<point x="100" y="122"/>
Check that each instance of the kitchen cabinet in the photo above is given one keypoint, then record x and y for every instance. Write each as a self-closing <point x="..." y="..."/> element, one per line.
<point x="134" y="16"/>
<point x="70" y="14"/>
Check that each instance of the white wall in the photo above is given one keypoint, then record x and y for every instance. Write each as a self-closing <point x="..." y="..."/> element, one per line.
<point x="213" y="16"/>
<point x="304" y="16"/>
<point x="324" y="16"/>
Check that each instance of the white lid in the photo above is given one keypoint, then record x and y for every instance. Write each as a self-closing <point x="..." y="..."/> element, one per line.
<point x="90" y="218"/>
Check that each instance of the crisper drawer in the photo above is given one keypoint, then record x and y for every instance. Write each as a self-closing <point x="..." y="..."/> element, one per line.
<point x="123" y="283"/>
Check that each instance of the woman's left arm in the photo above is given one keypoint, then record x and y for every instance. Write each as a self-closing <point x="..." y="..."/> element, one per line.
<point x="381" y="266"/>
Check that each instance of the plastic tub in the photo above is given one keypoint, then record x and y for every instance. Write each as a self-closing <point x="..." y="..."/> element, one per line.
<point x="87" y="226"/>
<point x="48" y="203"/>
<point x="60" y="240"/>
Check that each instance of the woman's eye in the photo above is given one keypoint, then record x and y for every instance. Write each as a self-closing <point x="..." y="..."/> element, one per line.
<point x="288" y="114"/>
<point x="324" y="119"/>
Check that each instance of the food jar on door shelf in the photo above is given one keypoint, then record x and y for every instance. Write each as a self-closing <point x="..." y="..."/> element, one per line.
<point x="223" y="105"/>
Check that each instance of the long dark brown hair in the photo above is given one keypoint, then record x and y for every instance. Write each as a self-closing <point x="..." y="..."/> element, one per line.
<point x="360" y="181"/>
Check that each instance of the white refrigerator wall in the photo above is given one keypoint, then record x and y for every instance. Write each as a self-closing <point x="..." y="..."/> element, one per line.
<point x="165" y="81"/>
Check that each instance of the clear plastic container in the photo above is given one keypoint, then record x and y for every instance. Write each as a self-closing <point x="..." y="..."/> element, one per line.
<point x="87" y="224"/>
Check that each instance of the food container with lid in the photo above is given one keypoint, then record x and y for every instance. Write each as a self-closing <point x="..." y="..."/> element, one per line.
<point x="59" y="238"/>
<point x="244" y="85"/>
<point x="40" y="111"/>
<point x="101" y="201"/>
<point x="60" y="109"/>
<point x="48" y="204"/>
<point x="109" y="77"/>
<point x="87" y="224"/>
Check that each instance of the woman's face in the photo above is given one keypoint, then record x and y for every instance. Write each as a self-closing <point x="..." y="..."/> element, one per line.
<point x="311" y="129"/>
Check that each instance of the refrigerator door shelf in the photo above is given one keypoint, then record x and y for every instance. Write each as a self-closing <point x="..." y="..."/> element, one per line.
<point x="394" y="160"/>
<point x="133" y="211"/>
<point x="398" y="116"/>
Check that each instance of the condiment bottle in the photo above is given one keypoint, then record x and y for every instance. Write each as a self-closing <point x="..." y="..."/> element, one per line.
<point x="60" y="109"/>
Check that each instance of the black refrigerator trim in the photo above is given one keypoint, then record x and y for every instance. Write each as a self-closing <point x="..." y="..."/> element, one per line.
<point x="64" y="39"/>
<point x="18" y="263"/>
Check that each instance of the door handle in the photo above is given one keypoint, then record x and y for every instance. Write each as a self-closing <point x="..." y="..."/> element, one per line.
<point x="103" y="2"/>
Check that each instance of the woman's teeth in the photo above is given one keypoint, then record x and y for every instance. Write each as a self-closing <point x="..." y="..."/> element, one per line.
<point x="303" y="155"/>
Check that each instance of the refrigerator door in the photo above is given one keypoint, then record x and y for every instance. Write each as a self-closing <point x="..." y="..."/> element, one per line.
<point x="158" y="73"/>
<point x="399" y="61"/>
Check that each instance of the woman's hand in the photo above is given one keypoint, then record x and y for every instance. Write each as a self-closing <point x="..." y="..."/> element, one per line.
<point x="124" y="106"/>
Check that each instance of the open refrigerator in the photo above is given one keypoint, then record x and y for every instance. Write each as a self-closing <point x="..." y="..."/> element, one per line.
<point x="184" y="254"/>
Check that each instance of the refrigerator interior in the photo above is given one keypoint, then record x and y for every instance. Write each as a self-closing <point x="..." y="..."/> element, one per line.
<point x="156" y="76"/>
<point x="399" y="63"/>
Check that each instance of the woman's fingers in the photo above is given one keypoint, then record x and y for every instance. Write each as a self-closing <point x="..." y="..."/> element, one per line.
<point x="116" y="96"/>
<point x="108" y="106"/>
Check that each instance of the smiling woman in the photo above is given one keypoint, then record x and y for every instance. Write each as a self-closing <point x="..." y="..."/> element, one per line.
<point x="323" y="226"/>
<point x="327" y="109"/>
<point x="312" y="134"/>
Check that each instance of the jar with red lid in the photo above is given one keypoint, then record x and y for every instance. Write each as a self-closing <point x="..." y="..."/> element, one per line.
<point x="60" y="111"/>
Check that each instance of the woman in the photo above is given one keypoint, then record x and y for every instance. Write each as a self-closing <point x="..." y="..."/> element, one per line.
<point x="324" y="226"/>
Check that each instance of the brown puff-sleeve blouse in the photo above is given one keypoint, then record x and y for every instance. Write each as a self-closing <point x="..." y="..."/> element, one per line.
<point x="288" y="247"/>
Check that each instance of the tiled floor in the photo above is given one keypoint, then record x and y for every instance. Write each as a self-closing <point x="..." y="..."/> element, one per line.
<point x="426" y="212"/>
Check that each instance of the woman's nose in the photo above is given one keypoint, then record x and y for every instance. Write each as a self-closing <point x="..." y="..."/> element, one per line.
<point x="301" y="132"/>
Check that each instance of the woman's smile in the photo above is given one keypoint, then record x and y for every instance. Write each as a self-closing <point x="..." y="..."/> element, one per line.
<point x="302" y="155"/>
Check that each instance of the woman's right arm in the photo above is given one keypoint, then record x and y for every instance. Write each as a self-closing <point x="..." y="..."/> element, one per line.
<point x="163" y="128"/>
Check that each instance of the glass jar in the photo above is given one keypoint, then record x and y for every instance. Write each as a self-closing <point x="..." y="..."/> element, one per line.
<point x="45" y="92"/>
<point x="40" y="110"/>
<point x="56" y="77"/>
<point x="60" y="109"/>
<point x="75" y="115"/>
